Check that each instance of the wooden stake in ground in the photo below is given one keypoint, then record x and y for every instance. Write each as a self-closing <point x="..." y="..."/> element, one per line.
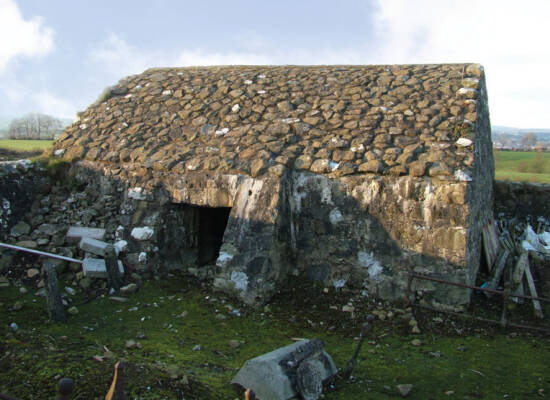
<point x="56" y="310"/>
<point x="117" y="390"/>
<point x="533" y="291"/>
<point x="111" y="264"/>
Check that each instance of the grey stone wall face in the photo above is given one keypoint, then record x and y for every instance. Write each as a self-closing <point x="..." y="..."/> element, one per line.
<point x="362" y="233"/>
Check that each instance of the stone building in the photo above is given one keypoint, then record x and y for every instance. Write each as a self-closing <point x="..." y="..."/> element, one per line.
<point x="251" y="175"/>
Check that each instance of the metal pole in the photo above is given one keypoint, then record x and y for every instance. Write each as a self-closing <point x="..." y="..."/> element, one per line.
<point x="428" y="278"/>
<point x="40" y="253"/>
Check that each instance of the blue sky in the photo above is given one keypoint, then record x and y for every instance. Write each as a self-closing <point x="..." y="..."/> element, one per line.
<point x="57" y="56"/>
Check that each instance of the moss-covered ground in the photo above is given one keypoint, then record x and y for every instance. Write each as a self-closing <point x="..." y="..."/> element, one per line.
<point x="169" y="319"/>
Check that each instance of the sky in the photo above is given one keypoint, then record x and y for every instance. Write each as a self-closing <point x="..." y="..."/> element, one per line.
<point x="56" y="56"/>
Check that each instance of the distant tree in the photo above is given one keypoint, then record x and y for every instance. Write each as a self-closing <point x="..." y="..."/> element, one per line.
<point x="34" y="126"/>
<point x="528" y="140"/>
<point x="505" y="140"/>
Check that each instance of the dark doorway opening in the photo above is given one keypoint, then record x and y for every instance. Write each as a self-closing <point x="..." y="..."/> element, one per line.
<point x="212" y="223"/>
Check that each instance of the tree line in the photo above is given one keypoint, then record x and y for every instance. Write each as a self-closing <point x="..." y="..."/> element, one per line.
<point x="35" y="126"/>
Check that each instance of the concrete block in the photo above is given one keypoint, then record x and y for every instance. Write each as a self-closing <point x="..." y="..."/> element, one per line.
<point x="95" y="267"/>
<point x="283" y="373"/>
<point x="93" y="246"/>
<point x="76" y="232"/>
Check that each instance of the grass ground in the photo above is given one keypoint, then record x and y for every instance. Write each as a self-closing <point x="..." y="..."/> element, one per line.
<point x="17" y="149"/>
<point x="25" y="145"/>
<point x="168" y="319"/>
<point x="522" y="166"/>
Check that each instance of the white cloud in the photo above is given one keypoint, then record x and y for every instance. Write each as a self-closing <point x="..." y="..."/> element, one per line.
<point x="508" y="38"/>
<point x="117" y="57"/>
<point x="20" y="98"/>
<point x="20" y="37"/>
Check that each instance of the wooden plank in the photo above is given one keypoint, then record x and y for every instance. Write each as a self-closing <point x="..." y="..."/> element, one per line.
<point x="500" y="264"/>
<point x="533" y="291"/>
<point x="491" y="243"/>
<point x="519" y="270"/>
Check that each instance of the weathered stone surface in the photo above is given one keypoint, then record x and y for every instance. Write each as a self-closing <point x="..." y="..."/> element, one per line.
<point x="75" y="233"/>
<point x="95" y="267"/>
<point x="272" y="375"/>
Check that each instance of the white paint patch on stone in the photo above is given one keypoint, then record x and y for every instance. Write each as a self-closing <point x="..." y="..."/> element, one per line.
<point x="167" y="92"/>
<point x="142" y="257"/>
<point x="333" y="166"/>
<point x="367" y="260"/>
<point x="137" y="193"/>
<point x="142" y="233"/>
<point x="335" y="216"/>
<point x="357" y="148"/>
<point x="298" y="194"/>
<point x="240" y="279"/>
<point x="339" y="283"/>
<point x="223" y="259"/>
<point x="326" y="194"/>
<point x="83" y="126"/>
<point x="464" y="142"/>
<point x="248" y="82"/>
<point x="462" y="176"/>
<point x="260" y="91"/>
<point x="59" y="153"/>
<point x="236" y="108"/>
<point x="129" y="96"/>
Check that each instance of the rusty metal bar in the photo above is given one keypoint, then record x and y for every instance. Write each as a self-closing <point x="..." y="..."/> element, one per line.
<point x="545" y="329"/>
<point x="459" y="284"/>
<point x="40" y="253"/>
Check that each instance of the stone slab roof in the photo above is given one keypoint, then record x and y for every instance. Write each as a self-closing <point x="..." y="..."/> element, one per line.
<point x="419" y="120"/>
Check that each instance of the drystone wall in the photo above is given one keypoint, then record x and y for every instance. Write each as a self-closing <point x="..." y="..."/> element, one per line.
<point x="522" y="199"/>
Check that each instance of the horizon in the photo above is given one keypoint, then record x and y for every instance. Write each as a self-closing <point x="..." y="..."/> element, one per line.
<point x="54" y="61"/>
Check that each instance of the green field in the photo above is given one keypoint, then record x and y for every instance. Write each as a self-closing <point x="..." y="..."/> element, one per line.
<point x="522" y="166"/>
<point x="25" y="145"/>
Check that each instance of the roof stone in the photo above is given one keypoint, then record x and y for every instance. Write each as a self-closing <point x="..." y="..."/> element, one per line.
<point x="336" y="120"/>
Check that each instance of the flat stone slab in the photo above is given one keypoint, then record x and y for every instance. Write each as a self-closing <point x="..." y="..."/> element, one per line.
<point x="93" y="246"/>
<point x="273" y="376"/>
<point x="75" y="233"/>
<point x="96" y="268"/>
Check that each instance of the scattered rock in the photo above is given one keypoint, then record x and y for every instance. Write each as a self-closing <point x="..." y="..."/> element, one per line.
<point x="197" y="347"/>
<point x="73" y="310"/>
<point x="85" y="282"/>
<point x="18" y="305"/>
<point x="130" y="288"/>
<point x="28" y="244"/>
<point x="14" y="326"/>
<point x="119" y="299"/>
<point x="416" y="342"/>
<point x="70" y="290"/>
<point x="131" y="344"/>
<point x="23" y="290"/>
<point x="19" y="229"/>
<point x="31" y="273"/>
<point x="404" y="390"/>
<point x="234" y="343"/>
